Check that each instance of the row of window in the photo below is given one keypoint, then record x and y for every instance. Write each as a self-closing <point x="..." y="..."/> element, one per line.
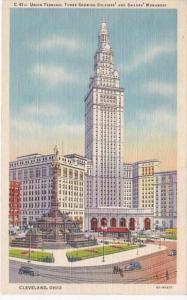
<point x="26" y="162"/>
<point x="43" y="172"/>
<point x="30" y="173"/>
<point x="32" y="212"/>
<point x="41" y="212"/>
<point x="43" y="198"/>
<point x="71" y="193"/>
<point x="72" y="205"/>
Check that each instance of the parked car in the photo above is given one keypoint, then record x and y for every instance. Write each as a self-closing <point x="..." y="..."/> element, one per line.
<point x="135" y="265"/>
<point x="27" y="270"/>
<point x="104" y="242"/>
<point x="172" y="252"/>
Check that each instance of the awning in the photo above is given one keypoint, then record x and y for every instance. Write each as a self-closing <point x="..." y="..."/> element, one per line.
<point x="113" y="230"/>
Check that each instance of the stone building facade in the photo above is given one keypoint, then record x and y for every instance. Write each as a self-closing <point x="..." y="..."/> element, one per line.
<point x="34" y="173"/>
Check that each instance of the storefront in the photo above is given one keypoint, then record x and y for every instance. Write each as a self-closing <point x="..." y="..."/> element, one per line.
<point x="115" y="232"/>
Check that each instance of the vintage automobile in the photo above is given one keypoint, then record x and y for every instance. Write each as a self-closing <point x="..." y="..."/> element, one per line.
<point x="28" y="270"/>
<point x="135" y="265"/>
<point x="172" y="252"/>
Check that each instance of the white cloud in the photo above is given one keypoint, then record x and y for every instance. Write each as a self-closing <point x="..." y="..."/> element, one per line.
<point x="37" y="129"/>
<point x="57" y="41"/>
<point x="53" y="74"/>
<point x="45" y="110"/>
<point x="148" y="55"/>
<point x="24" y="125"/>
<point x="157" y="118"/>
<point x="28" y="136"/>
<point x="70" y="130"/>
<point x="160" y="88"/>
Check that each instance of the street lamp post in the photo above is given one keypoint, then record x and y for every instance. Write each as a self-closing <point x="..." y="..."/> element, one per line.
<point x="29" y="246"/>
<point x="103" y="228"/>
<point x="103" y="247"/>
<point x="42" y="243"/>
<point x="137" y="239"/>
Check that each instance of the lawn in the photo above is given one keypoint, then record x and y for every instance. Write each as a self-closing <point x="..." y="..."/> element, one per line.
<point x="35" y="255"/>
<point x="169" y="236"/>
<point x="98" y="251"/>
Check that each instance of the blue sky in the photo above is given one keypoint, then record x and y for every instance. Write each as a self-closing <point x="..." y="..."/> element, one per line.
<point x="51" y="59"/>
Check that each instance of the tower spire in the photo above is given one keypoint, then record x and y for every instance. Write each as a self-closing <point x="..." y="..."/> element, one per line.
<point x="103" y="35"/>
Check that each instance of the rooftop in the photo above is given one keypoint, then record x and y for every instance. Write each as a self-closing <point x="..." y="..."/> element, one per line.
<point x="28" y="155"/>
<point x="74" y="155"/>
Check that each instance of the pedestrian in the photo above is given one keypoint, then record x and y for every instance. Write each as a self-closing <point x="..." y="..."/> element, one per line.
<point x="121" y="272"/>
<point x="167" y="275"/>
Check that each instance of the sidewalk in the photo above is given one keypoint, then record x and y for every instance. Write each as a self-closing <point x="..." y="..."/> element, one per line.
<point x="61" y="259"/>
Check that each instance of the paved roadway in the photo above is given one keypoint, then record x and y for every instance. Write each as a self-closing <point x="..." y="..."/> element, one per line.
<point x="153" y="271"/>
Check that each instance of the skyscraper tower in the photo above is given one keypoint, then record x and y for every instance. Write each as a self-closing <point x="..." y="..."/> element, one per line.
<point x="104" y="128"/>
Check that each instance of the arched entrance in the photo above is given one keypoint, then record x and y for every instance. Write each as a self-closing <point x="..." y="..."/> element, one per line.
<point x="113" y="222"/>
<point x="147" y="224"/>
<point x="94" y="224"/>
<point x="132" y="224"/>
<point x="103" y="222"/>
<point x="122" y="222"/>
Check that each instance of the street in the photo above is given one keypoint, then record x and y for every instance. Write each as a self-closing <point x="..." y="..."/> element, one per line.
<point x="154" y="268"/>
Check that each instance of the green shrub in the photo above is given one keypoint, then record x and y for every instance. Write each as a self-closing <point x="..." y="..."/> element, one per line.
<point x="98" y="251"/>
<point x="171" y="231"/>
<point x="34" y="255"/>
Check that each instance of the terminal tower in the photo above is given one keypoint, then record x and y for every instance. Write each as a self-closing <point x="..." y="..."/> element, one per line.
<point x="104" y="131"/>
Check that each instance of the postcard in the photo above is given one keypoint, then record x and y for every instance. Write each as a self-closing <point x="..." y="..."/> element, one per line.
<point x="94" y="147"/>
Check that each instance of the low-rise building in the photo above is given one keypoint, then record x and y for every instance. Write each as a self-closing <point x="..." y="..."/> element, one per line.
<point x="149" y="199"/>
<point x="165" y="193"/>
<point x="143" y="183"/>
<point x="35" y="174"/>
<point x="128" y="185"/>
<point x="14" y="203"/>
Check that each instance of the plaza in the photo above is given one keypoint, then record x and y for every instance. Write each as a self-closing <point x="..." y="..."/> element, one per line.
<point x="154" y="261"/>
<point x="60" y="258"/>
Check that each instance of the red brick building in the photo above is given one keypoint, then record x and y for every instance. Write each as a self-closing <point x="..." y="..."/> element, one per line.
<point x="14" y="203"/>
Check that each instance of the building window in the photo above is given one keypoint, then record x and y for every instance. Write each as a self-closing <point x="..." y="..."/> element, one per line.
<point x="50" y="171"/>
<point x="70" y="173"/>
<point x="25" y="174"/>
<point x="81" y="175"/>
<point x="19" y="174"/>
<point x="44" y="173"/>
<point x="64" y="172"/>
<point x="37" y="172"/>
<point x="31" y="171"/>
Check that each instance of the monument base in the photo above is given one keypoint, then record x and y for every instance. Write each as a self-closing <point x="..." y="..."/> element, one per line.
<point x="84" y="243"/>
